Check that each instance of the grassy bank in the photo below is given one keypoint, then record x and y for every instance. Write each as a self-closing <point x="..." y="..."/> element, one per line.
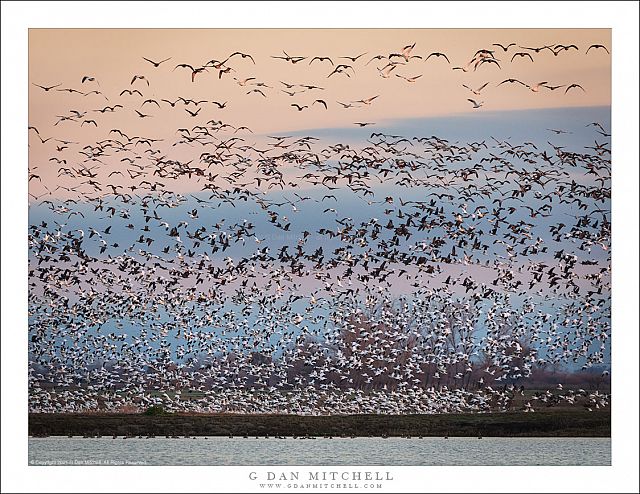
<point x="572" y="423"/>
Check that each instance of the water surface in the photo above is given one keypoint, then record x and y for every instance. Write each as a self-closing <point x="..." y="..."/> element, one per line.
<point x="320" y="451"/>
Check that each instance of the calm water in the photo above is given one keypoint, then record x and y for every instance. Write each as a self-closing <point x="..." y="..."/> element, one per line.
<point x="358" y="451"/>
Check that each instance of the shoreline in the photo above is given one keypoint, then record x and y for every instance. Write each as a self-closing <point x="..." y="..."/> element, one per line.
<point x="504" y="424"/>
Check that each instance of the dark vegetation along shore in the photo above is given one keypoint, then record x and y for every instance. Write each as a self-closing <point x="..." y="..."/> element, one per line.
<point x="557" y="423"/>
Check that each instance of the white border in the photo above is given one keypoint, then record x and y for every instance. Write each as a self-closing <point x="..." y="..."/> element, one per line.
<point x="17" y="17"/>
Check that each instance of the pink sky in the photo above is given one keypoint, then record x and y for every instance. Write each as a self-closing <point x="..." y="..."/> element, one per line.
<point x="114" y="56"/>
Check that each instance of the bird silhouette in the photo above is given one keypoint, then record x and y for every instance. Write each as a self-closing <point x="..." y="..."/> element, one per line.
<point x="156" y="64"/>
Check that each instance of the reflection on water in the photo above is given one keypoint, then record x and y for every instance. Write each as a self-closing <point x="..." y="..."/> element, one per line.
<point x="320" y="451"/>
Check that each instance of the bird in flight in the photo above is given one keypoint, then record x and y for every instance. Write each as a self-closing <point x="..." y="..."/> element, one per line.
<point x="150" y="101"/>
<point x="377" y="57"/>
<point x="486" y="60"/>
<point x="475" y="103"/>
<point x="243" y="55"/>
<point x="291" y="93"/>
<point x="410" y="79"/>
<point x="46" y="88"/>
<point x="130" y="92"/>
<point x="363" y="124"/>
<point x="437" y="54"/>
<point x="194" y="72"/>
<point x="353" y="59"/>
<point x="243" y="82"/>
<point x="109" y="108"/>
<point x="558" y="48"/>
<point x="536" y="87"/>
<point x="321" y="59"/>
<point x="484" y="53"/>
<point x="156" y="64"/>
<point x="322" y="102"/>
<point x="184" y="66"/>
<point x="596" y="47"/>
<point x="171" y="103"/>
<point x="573" y="86"/>
<point x="90" y="79"/>
<point x="141" y="77"/>
<point x="95" y="92"/>
<point x="505" y="48"/>
<point x="256" y="91"/>
<point x="367" y="101"/>
<point x="522" y="54"/>
<point x="406" y="51"/>
<point x="224" y="71"/>
<point x="299" y="107"/>
<point x="385" y="72"/>
<point x="537" y="49"/>
<point x="289" y="58"/>
<point x="341" y="69"/>
<point x="476" y="91"/>
<point x="511" y="81"/>
<point x="70" y="90"/>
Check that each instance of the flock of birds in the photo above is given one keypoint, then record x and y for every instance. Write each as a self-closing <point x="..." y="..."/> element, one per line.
<point x="387" y="65"/>
<point x="282" y="274"/>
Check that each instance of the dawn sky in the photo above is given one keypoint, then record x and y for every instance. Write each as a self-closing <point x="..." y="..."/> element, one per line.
<point x="111" y="58"/>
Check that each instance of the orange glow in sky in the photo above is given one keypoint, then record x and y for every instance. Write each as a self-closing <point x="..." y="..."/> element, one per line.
<point x="94" y="71"/>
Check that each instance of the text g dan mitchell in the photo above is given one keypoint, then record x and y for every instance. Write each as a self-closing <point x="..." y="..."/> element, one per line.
<point x="321" y="476"/>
